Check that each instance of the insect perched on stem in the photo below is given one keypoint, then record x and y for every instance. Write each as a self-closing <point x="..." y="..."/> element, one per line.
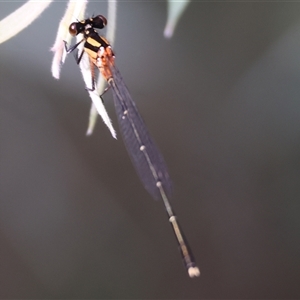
<point x="145" y="156"/>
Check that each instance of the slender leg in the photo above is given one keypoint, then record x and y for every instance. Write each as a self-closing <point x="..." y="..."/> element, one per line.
<point x="78" y="59"/>
<point x="105" y="90"/>
<point x="71" y="49"/>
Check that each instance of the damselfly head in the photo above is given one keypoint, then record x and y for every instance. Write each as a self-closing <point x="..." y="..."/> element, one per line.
<point x="98" y="22"/>
<point x="76" y="28"/>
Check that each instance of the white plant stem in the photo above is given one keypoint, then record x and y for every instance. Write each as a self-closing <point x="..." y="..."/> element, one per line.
<point x="24" y="15"/>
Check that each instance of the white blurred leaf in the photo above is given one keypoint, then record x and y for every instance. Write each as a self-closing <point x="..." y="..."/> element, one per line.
<point x="21" y="18"/>
<point x="75" y="10"/>
<point x="95" y="95"/>
<point x="111" y="29"/>
<point x="175" y="11"/>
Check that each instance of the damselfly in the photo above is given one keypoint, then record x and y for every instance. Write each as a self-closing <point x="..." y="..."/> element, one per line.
<point x="145" y="156"/>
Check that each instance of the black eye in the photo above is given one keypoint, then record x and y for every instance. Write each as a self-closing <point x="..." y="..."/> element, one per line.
<point x="76" y="28"/>
<point x="73" y="29"/>
<point x="99" y="22"/>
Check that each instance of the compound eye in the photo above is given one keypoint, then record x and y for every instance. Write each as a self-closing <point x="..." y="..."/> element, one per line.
<point x="99" y="22"/>
<point x="73" y="29"/>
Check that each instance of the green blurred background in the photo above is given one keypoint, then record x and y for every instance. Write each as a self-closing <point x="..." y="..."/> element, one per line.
<point x="221" y="99"/>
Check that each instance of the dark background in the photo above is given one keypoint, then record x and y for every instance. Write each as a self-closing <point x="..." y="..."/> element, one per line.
<point x="222" y="100"/>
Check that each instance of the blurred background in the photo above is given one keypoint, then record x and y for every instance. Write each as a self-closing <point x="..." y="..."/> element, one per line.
<point x="222" y="101"/>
